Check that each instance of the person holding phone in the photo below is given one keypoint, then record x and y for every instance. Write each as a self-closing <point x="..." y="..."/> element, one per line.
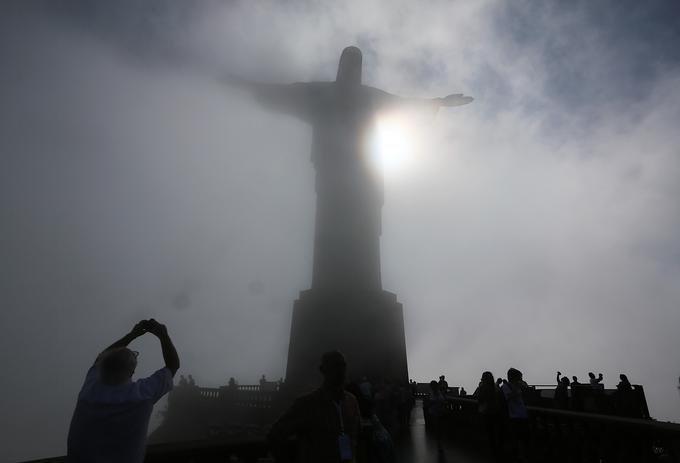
<point x="112" y="413"/>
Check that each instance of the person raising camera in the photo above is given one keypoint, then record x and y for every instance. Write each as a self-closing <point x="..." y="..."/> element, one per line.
<point x="112" y="413"/>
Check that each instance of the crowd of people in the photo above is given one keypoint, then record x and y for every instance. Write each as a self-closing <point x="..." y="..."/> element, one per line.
<point x="112" y="413"/>
<point x="502" y="406"/>
<point x="111" y="416"/>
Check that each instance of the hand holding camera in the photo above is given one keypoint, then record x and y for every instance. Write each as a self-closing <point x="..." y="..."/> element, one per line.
<point x="155" y="328"/>
<point x="149" y="326"/>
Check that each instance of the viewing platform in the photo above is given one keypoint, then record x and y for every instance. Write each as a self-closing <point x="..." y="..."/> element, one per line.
<point x="556" y="435"/>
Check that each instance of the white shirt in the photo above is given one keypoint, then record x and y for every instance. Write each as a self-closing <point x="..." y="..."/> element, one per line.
<point x="110" y="423"/>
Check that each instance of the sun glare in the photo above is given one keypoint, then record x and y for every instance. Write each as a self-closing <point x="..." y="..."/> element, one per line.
<point x="394" y="144"/>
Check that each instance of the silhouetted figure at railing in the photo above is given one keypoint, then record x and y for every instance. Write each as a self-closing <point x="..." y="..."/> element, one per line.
<point x="232" y="384"/>
<point x="406" y="403"/>
<point x="626" y="399"/>
<point x="191" y="381"/>
<point x="518" y="417"/>
<point x="325" y="422"/>
<point x="624" y="385"/>
<point x="490" y="408"/>
<point x="594" y="381"/>
<point x="499" y="382"/>
<point x="182" y="381"/>
<point x="263" y="380"/>
<point x="435" y="407"/>
<point x="443" y="385"/>
<point x="574" y="382"/>
<point x="111" y="417"/>
<point x="561" y="399"/>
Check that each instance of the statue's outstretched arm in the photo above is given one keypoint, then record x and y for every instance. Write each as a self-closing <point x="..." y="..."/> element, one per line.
<point x="394" y="101"/>
<point x="448" y="101"/>
<point x="293" y="99"/>
<point x="456" y="99"/>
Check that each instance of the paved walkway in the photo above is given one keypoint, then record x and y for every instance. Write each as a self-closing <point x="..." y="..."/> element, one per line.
<point x="421" y="447"/>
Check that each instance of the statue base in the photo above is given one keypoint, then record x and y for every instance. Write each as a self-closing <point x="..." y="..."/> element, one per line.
<point x="366" y="326"/>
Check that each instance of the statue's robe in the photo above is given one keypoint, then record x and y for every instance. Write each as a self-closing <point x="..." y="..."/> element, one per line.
<point x="349" y="187"/>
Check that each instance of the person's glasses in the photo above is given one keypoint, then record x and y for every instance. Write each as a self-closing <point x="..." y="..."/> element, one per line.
<point x="135" y="353"/>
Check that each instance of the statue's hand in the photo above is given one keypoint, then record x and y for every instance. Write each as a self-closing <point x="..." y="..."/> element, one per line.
<point x="457" y="99"/>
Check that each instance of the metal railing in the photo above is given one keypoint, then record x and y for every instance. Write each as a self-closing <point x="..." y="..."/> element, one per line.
<point x="556" y="435"/>
<point x="250" y="396"/>
<point x="569" y="435"/>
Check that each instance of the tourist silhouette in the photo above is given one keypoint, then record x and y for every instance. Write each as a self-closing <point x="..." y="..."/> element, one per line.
<point x="489" y="407"/>
<point x="435" y="409"/>
<point x="518" y="423"/>
<point x="325" y="422"/>
<point x="443" y="385"/>
<point x="624" y="384"/>
<point x="626" y="401"/>
<point x="594" y="381"/>
<point x="561" y="398"/>
<point x="112" y="413"/>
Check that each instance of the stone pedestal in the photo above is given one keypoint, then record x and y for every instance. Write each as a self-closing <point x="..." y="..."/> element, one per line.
<point x="366" y="326"/>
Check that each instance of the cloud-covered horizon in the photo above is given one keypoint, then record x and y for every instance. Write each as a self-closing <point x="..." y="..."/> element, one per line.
<point x="538" y="228"/>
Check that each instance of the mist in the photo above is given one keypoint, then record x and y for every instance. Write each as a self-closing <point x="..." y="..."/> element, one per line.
<point x="536" y="228"/>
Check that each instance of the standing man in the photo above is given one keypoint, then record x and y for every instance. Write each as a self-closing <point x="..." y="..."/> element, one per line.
<point x="112" y="414"/>
<point x="436" y="407"/>
<point x="517" y="412"/>
<point x="561" y="399"/>
<point x="443" y="385"/>
<point x="326" y="422"/>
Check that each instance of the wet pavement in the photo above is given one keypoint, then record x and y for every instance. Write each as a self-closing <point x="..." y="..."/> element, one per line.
<point x="420" y="446"/>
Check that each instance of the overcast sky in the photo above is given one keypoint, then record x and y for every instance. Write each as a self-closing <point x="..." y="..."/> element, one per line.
<point x="536" y="228"/>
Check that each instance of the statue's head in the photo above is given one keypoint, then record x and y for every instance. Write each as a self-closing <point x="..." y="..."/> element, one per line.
<point x="349" y="69"/>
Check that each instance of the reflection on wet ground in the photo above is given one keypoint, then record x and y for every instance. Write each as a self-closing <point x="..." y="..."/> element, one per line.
<point x="421" y="447"/>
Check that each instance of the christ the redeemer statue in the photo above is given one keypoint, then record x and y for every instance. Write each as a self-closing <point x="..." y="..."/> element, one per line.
<point x="348" y="216"/>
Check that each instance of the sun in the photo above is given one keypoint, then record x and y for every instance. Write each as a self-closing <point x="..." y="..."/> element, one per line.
<point x="394" y="143"/>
